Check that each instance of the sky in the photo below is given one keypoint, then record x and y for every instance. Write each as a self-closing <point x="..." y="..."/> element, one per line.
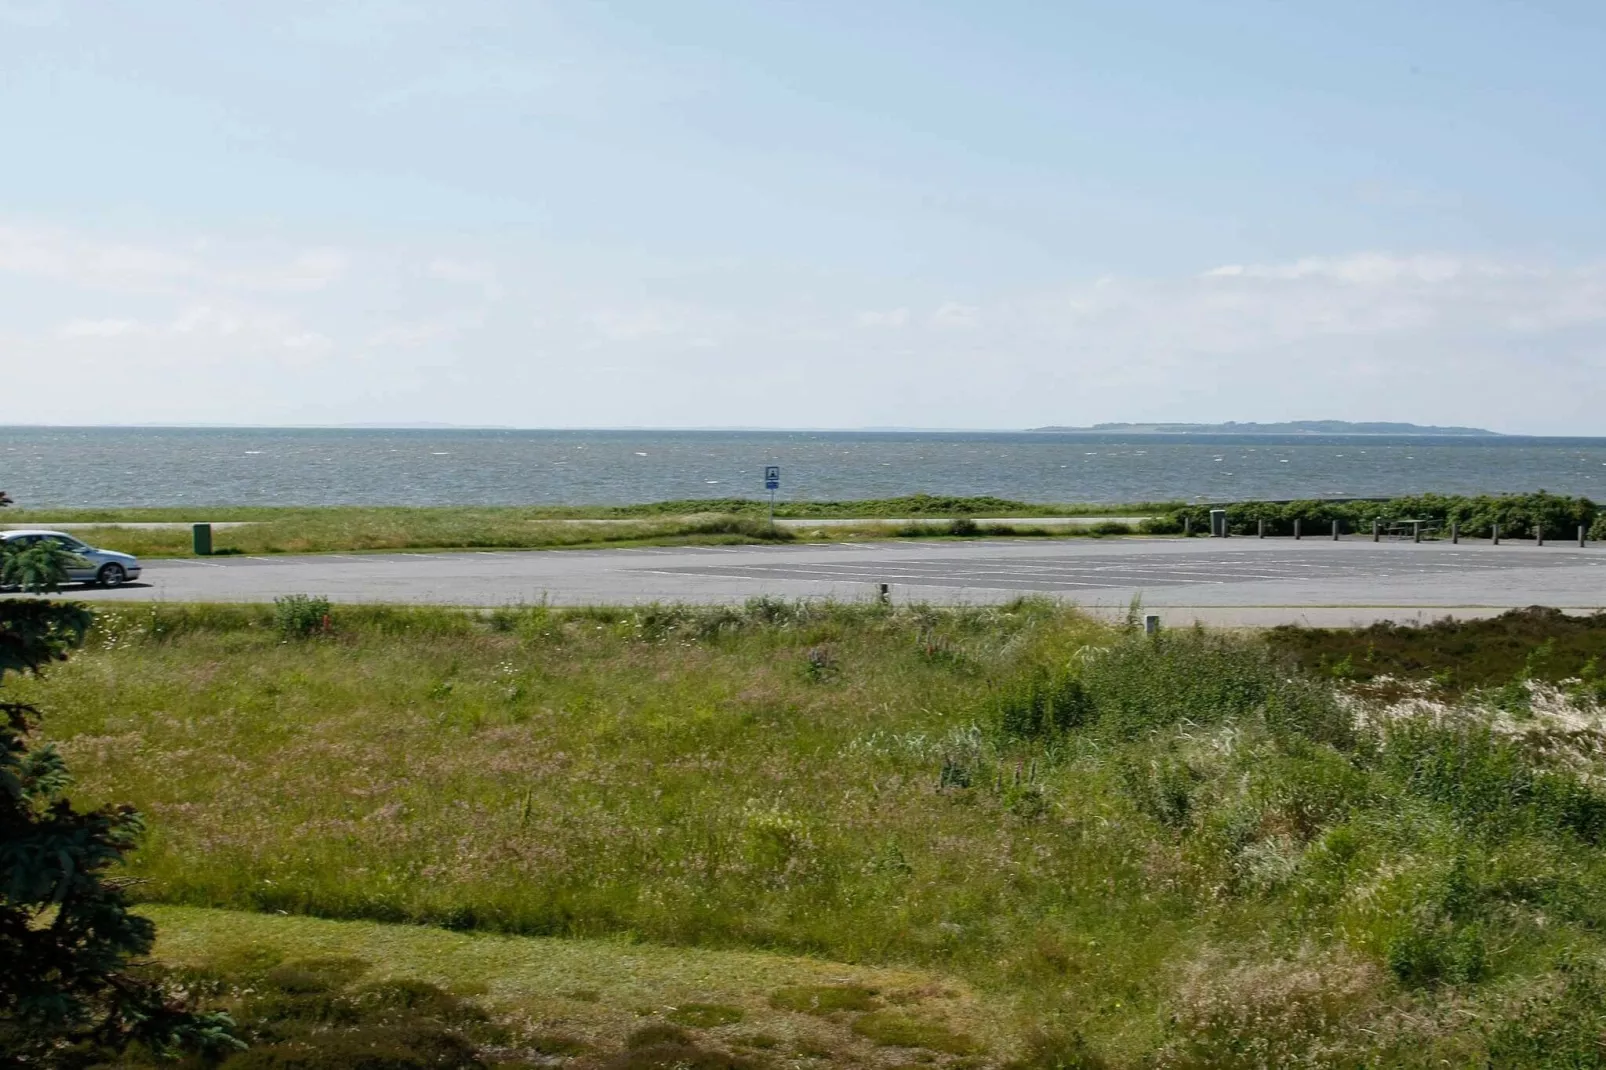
<point x="811" y="213"/>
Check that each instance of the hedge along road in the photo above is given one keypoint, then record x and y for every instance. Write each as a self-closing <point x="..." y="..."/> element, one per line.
<point x="1224" y="581"/>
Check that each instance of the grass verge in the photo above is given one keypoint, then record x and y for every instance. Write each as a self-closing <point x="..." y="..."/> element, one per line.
<point x="1163" y="852"/>
<point x="347" y="529"/>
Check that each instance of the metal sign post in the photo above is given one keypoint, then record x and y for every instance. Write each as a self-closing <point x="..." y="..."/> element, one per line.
<point x="772" y="483"/>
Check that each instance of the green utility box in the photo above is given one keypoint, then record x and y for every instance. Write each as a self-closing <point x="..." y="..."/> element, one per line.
<point x="203" y="539"/>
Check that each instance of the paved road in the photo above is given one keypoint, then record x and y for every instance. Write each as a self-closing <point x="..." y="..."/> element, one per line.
<point x="1237" y="581"/>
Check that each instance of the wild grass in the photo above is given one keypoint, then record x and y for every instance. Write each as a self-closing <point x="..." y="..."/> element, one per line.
<point x="346" y="529"/>
<point x="1172" y="851"/>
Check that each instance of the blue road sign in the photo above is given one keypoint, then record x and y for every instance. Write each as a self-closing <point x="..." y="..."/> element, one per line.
<point x="772" y="477"/>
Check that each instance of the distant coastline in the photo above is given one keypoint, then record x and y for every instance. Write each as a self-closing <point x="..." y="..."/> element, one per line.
<point x="1291" y="427"/>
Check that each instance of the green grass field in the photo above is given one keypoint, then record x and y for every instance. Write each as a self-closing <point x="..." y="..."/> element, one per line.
<point x="1117" y="851"/>
<point x="913" y="505"/>
<point x="722" y="521"/>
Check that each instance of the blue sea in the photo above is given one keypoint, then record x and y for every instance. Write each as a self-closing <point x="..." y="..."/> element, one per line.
<point x="90" y="467"/>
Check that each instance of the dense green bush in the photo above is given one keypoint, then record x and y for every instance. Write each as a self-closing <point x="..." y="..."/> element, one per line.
<point x="746" y="526"/>
<point x="1518" y="515"/>
<point x="1043" y="705"/>
<point x="1144" y="683"/>
<point x="1489" y="783"/>
<point x="299" y="616"/>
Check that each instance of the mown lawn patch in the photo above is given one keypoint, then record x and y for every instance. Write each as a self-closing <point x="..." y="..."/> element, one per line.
<point x="325" y="990"/>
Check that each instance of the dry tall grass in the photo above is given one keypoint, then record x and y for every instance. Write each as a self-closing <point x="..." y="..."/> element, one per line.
<point x="1174" y="850"/>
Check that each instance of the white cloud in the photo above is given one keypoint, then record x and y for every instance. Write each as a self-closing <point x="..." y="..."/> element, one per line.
<point x="476" y="335"/>
<point x="953" y="314"/>
<point x="314" y="270"/>
<point x="896" y="317"/>
<point x="410" y="335"/>
<point x="101" y="328"/>
<point x="60" y="256"/>
<point x="479" y="274"/>
<point x="1365" y="269"/>
<point x="668" y="322"/>
<point x="72" y="259"/>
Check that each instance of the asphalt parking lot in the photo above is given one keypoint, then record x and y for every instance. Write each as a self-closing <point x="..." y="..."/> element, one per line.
<point x="1237" y="581"/>
<point x="1093" y="572"/>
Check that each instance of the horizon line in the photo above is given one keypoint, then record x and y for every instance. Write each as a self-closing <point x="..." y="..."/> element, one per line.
<point x="1462" y="431"/>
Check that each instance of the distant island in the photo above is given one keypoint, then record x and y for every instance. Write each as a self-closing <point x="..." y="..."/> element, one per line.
<point x="1292" y="427"/>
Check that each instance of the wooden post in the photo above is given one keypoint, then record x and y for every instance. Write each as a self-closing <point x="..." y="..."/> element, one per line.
<point x="1263" y="527"/>
<point x="1495" y="530"/>
<point x="1455" y="534"/>
<point x="1539" y="534"/>
<point x="1296" y="528"/>
<point x="1376" y="529"/>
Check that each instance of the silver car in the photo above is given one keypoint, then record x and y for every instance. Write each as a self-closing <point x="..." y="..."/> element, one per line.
<point x="88" y="565"/>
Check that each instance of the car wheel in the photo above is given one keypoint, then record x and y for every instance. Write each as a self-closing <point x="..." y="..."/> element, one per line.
<point x="111" y="576"/>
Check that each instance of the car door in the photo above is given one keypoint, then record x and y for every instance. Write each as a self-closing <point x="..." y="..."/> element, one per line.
<point x="80" y="569"/>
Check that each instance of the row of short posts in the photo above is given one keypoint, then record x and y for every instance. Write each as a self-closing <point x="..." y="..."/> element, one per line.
<point x="1218" y="529"/>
